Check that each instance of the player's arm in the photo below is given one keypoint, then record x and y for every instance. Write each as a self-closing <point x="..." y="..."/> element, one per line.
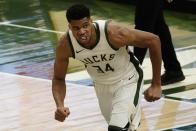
<point x="120" y="36"/>
<point x="58" y="81"/>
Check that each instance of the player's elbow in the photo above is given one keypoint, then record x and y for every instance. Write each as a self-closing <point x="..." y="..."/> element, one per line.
<point x="154" y="42"/>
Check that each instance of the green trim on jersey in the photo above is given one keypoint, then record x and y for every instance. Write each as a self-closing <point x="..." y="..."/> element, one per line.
<point x="140" y="72"/>
<point x="70" y="43"/>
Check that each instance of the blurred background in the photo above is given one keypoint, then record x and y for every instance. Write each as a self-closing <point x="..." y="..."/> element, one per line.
<point x="30" y="29"/>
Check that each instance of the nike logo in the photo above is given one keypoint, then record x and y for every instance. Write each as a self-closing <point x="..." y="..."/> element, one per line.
<point x="131" y="77"/>
<point x="78" y="51"/>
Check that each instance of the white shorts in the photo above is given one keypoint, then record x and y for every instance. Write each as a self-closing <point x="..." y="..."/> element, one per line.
<point x="120" y="102"/>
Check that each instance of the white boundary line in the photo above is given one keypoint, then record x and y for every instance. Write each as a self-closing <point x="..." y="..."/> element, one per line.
<point x="21" y="20"/>
<point x="21" y="76"/>
<point x="185" y="48"/>
<point x="41" y="79"/>
<point x="32" y="28"/>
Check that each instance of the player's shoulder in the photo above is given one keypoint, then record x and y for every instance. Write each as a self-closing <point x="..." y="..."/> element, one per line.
<point x="63" y="42"/>
<point x="63" y="45"/>
<point x="113" y="26"/>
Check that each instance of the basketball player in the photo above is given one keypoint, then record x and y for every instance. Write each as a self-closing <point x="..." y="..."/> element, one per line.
<point x="103" y="48"/>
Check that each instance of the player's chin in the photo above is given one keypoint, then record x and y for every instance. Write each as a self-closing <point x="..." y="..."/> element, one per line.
<point x="84" y="42"/>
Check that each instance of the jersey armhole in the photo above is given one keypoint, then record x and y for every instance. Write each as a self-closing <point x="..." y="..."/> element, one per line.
<point x="70" y="44"/>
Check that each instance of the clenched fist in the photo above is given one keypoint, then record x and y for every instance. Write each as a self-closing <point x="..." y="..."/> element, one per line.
<point x="61" y="113"/>
<point x="153" y="93"/>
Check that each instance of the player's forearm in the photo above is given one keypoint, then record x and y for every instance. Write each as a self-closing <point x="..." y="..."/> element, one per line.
<point x="155" y="56"/>
<point x="59" y="91"/>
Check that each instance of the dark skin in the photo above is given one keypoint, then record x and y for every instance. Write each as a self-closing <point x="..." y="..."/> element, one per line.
<point x="84" y="32"/>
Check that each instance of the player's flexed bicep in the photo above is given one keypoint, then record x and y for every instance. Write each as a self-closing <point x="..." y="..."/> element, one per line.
<point x="121" y="35"/>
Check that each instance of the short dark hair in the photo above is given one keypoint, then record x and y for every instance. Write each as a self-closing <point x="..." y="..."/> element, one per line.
<point x="77" y="12"/>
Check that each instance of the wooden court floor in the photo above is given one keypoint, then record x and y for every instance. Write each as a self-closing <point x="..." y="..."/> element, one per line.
<point x="26" y="104"/>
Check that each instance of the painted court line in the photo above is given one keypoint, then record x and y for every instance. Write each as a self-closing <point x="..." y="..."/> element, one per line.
<point x="31" y="28"/>
<point x="21" y="20"/>
<point x="190" y="94"/>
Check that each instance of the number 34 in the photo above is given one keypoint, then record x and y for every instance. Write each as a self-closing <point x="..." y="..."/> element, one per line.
<point x="101" y="70"/>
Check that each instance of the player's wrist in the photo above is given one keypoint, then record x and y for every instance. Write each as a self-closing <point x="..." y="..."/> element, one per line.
<point x="156" y="83"/>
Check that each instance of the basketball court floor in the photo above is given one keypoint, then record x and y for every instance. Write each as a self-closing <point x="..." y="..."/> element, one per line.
<point x="27" y="105"/>
<point x="26" y="102"/>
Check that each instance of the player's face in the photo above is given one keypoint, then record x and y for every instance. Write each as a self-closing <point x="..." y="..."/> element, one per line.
<point x="82" y="30"/>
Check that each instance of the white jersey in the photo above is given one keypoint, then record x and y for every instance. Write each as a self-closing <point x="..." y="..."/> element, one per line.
<point x="104" y="63"/>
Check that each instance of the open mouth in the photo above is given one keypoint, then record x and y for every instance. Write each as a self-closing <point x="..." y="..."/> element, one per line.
<point x="83" y="39"/>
